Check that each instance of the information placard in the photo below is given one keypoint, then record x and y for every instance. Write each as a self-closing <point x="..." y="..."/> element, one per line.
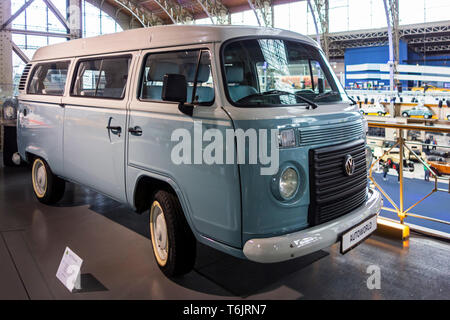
<point x="69" y="270"/>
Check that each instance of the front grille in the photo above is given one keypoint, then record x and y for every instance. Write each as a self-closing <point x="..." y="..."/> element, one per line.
<point x="24" y="77"/>
<point x="334" y="193"/>
<point x="333" y="133"/>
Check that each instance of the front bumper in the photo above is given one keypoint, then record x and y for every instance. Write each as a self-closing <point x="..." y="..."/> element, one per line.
<point x="293" y="245"/>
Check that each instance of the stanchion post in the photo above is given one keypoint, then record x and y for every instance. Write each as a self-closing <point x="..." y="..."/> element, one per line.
<point x="401" y="141"/>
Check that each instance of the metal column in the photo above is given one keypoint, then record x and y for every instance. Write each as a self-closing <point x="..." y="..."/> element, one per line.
<point x="74" y="18"/>
<point x="6" y="67"/>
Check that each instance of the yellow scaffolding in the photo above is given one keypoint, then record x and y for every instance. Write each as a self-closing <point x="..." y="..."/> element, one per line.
<point x="400" y="209"/>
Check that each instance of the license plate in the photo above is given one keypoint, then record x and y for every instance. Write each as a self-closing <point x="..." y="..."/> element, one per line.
<point x="358" y="234"/>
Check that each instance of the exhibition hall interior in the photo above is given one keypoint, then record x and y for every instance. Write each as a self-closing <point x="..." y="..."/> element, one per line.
<point x="225" y="150"/>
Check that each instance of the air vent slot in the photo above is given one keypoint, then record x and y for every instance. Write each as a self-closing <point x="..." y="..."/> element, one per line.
<point x="24" y="77"/>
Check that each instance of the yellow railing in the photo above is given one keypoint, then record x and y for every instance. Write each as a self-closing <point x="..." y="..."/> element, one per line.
<point x="400" y="143"/>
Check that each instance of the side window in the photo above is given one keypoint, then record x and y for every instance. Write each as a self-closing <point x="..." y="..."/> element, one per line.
<point x="49" y="78"/>
<point x="105" y="78"/>
<point x="157" y="65"/>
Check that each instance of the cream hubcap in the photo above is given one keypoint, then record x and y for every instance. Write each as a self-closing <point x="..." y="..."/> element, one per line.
<point x="158" y="228"/>
<point x="40" y="178"/>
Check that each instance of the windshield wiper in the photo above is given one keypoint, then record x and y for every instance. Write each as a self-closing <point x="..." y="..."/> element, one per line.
<point x="281" y="92"/>
<point x="351" y="99"/>
<point x="326" y="95"/>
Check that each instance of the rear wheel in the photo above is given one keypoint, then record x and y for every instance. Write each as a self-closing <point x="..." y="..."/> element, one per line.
<point x="47" y="187"/>
<point x="380" y="113"/>
<point x="174" y="245"/>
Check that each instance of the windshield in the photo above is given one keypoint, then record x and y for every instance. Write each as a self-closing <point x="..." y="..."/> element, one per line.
<point x="275" y="72"/>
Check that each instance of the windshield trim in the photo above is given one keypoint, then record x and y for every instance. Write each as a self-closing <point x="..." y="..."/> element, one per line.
<point x="268" y="105"/>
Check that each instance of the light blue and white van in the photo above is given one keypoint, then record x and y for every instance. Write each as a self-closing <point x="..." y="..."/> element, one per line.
<point x="142" y="116"/>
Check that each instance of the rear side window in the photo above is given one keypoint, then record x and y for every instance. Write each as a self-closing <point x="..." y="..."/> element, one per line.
<point x="49" y="78"/>
<point x="102" y="78"/>
<point x="195" y="65"/>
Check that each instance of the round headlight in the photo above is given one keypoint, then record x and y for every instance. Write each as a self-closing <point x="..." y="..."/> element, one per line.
<point x="288" y="183"/>
<point x="9" y="112"/>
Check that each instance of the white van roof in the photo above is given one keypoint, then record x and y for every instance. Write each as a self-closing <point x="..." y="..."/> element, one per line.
<point x="158" y="36"/>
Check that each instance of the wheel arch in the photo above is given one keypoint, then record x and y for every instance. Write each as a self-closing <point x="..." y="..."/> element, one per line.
<point x="31" y="155"/>
<point x="147" y="185"/>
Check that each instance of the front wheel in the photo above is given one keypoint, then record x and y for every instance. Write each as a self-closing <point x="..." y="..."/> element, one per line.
<point x="174" y="245"/>
<point x="405" y="115"/>
<point x="47" y="187"/>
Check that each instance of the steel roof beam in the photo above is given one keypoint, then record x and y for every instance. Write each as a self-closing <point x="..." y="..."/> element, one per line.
<point x="320" y="12"/>
<point x="16" y="14"/>
<point x="58" y="14"/>
<point x="20" y="53"/>
<point x="215" y="9"/>
<point x="263" y="10"/>
<point x="142" y="15"/>
<point x="175" y="11"/>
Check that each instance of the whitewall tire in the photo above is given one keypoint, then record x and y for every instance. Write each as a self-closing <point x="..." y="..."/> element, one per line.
<point x="173" y="243"/>
<point x="47" y="187"/>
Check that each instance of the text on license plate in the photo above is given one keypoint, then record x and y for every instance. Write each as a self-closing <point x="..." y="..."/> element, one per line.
<point x="357" y="234"/>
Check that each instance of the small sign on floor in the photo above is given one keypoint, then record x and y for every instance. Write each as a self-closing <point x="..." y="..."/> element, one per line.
<point x="70" y="269"/>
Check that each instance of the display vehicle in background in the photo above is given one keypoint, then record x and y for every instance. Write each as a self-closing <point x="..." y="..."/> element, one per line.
<point x="418" y="111"/>
<point x="393" y="157"/>
<point x="439" y="166"/>
<point x="373" y="109"/>
<point x="429" y="88"/>
<point x="111" y="112"/>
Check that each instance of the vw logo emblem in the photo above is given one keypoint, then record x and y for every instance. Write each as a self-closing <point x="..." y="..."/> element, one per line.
<point x="349" y="165"/>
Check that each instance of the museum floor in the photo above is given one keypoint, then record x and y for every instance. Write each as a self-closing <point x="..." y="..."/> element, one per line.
<point x="119" y="264"/>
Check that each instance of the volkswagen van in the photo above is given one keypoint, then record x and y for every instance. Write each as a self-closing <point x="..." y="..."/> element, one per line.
<point x="116" y="113"/>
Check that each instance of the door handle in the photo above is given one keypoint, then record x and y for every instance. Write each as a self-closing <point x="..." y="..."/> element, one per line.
<point x="115" y="129"/>
<point x="136" y="131"/>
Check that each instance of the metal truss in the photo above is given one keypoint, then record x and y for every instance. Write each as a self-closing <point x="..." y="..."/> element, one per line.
<point x="16" y="14"/>
<point x="263" y="10"/>
<point x="375" y="43"/>
<point x="434" y="49"/>
<point x="404" y="31"/>
<point x="176" y="12"/>
<point x="53" y="9"/>
<point x="321" y="8"/>
<point x="215" y="9"/>
<point x="415" y="35"/>
<point x="145" y="18"/>
<point x="427" y="39"/>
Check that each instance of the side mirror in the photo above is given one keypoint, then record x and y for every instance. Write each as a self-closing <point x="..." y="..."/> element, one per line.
<point x="175" y="89"/>
<point x="320" y="85"/>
